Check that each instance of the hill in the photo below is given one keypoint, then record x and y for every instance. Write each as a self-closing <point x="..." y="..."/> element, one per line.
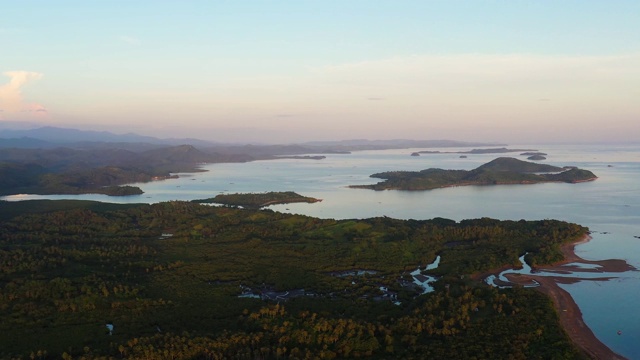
<point x="49" y="136"/>
<point x="516" y="165"/>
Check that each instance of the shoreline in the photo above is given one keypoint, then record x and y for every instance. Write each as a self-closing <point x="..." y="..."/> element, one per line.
<point x="571" y="318"/>
<point x="568" y="311"/>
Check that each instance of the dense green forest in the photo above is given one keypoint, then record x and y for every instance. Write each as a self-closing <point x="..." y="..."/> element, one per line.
<point x="258" y="200"/>
<point x="185" y="280"/>
<point x="497" y="172"/>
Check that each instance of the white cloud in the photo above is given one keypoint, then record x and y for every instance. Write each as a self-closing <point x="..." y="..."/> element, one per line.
<point x="12" y="103"/>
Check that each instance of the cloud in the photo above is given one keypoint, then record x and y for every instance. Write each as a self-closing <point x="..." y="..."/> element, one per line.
<point x="12" y="102"/>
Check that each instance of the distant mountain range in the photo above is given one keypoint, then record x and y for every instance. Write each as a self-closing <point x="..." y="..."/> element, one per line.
<point x="48" y="137"/>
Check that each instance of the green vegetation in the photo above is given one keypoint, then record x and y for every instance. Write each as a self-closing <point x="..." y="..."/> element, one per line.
<point x="168" y="276"/>
<point x="34" y="180"/>
<point x="500" y="171"/>
<point x="258" y="200"/>
<point x="9" y="210"/>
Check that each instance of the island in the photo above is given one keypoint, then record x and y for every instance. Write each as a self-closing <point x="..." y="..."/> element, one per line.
<point x="501" y="171"/>
<point x="302" y="157"/>
<point x="184" y="280"/>
<point x="473" y="151"/>
<point x="258" y="200"/>
<point x="536" y="157"/>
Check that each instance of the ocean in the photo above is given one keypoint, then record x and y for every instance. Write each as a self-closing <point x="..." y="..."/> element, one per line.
<point x="609" y="206"/>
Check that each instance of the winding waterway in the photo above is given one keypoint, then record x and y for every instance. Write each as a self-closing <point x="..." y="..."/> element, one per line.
<point x="609" y="206"/>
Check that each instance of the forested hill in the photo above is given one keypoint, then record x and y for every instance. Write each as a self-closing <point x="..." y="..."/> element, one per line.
<point x="77" y="171"/>
<point x="187" y="281"/>
<point x="500" y="171"/>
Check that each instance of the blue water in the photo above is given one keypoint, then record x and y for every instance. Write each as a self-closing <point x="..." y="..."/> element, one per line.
<point x="609" y="206"/>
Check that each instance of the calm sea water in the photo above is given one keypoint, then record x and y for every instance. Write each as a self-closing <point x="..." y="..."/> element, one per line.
<point x="609" y="206"/>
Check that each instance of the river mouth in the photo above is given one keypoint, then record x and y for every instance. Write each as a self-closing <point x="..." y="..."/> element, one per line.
<point x="566" y="273"/>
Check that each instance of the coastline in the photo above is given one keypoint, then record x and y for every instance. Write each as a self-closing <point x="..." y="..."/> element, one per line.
<point x="568" y="311"/>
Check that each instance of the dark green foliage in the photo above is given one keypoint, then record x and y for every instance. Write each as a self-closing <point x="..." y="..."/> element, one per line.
<point x="10" y="210"/>
<point x="168" y="275"/>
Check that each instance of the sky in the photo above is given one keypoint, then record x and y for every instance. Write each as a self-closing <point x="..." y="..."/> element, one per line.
<point x="291" y="71"/>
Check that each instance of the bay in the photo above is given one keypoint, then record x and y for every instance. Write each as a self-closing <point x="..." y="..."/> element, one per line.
<point x="609" y="206"/>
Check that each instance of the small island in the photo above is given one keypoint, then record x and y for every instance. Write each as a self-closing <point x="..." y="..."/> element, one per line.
<point x="501" y="171"/>
<point x="258" y="200"/>
<point x="302" y="157"/>
<point x="475" y="151"/>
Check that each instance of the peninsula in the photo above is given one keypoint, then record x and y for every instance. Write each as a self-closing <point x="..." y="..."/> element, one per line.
<point x="570" y="316"/>
<point x="501" y="171"/>
<point x="258" y="200"/>
<point x="232" y="283"/>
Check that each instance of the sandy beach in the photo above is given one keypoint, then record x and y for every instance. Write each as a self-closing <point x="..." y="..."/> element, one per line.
<point x="568" y="311"/>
